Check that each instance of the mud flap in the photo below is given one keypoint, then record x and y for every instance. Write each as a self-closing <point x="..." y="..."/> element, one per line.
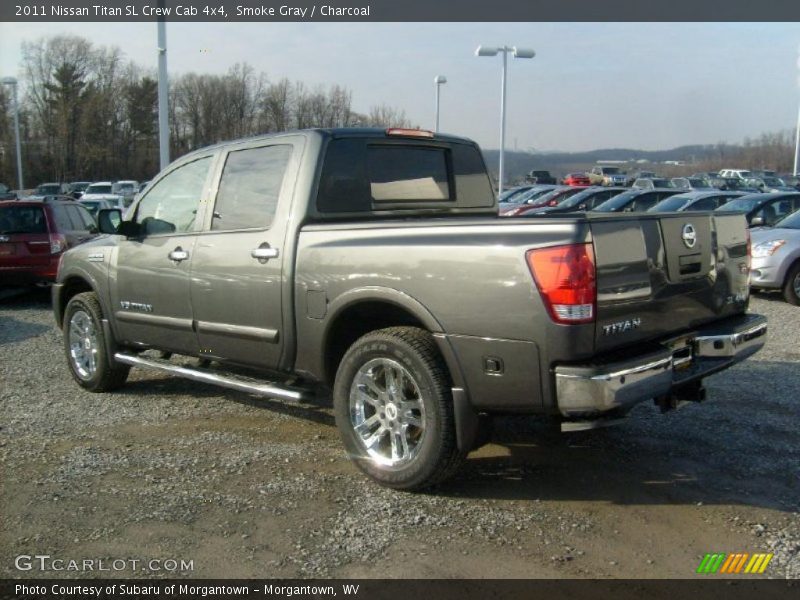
<point x="466" y="420"/>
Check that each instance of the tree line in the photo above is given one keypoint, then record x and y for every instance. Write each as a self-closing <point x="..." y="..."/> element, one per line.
<point x="88" y="113"/>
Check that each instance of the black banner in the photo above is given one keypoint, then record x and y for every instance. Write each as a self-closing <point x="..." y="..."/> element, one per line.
<point x="397" y="10"/>
<point x="465" y="589"/>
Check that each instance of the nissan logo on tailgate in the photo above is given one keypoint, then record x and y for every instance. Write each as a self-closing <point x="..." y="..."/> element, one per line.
<point x="689" y="235"/>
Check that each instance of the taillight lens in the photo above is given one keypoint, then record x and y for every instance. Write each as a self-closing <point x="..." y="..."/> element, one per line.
<point x="58" y="243"/>
<point x="566" y="278"/>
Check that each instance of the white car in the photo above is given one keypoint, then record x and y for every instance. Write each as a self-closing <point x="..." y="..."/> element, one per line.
<point x="736" y="173"/>
<point x="103" y="190"/>
<point x="127" y="188"/>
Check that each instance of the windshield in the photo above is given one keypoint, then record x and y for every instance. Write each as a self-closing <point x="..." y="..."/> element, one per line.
<point x="791" y="221"/>
<point x="530" y="195"/>
<point x="98" y="189"/>
<point x="617" y="202"/>
<point x="742" y="205"/>
<point x="509" y="194"/>
<point x="611" y="171"/>
<point x="22" y="219"/>
<point x="663" y="183"/>
<point x="698" y="183"/>
<point x="773" y="181"/>
<point x="123" y="187"/>
<point x="670" y="204"/>
<point x="48" y="189"/>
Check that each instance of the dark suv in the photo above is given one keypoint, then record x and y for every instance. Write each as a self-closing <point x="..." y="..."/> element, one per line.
<point x="33" y="235"/>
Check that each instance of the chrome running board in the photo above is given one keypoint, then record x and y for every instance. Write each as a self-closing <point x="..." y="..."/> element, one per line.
<point x="234" y="382"/>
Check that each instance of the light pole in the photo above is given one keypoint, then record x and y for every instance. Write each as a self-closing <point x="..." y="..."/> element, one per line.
<point x="163" y="93"/>
<point x="438" y="80"/>
<point x="797" y="132"/>
<point x="518" y="53"/>
<point x="13" y="83"/>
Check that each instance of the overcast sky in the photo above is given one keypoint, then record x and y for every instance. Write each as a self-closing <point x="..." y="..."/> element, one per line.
<point x="591" y="85"/>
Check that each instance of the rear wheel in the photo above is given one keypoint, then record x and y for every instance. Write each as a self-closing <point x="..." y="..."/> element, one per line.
<point x="791" y="288"/>
<point x="394" y="409"/>
<point x="85" y="345"/>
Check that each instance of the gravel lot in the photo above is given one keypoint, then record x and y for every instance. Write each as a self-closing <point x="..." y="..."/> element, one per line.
<point x="243" y="487"/>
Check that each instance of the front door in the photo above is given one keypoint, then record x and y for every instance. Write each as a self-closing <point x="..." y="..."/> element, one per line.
<point x="238" y="265"/>
<point x="150" y="294"/>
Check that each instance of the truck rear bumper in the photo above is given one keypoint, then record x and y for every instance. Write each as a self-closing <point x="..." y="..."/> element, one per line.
<point x="592" y="389"/>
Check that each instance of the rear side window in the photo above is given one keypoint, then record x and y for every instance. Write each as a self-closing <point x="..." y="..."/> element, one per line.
<point x="363" y="175"/>
<point x="63" y="222"/>
<point x="249" y="188"/>
<point x="704" y="204"/>
<point x="80" y="217"/>
<point x="22" y="219"/>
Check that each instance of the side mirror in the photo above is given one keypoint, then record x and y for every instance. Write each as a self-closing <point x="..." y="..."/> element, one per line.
<point x="109" y="220"/>
<point x="757" y="222"/>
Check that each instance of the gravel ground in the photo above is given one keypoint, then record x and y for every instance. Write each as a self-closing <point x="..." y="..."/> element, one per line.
<point x="243" y="487"/>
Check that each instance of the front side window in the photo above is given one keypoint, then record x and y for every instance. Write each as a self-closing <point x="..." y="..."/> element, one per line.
<point x="249" y="188"/>
<point x="171" y="204"/>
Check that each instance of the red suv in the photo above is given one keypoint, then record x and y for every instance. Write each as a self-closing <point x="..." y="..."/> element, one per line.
<point x="33" y="235"/>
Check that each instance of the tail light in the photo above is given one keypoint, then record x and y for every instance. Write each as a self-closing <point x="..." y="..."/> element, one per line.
<point x="552" y="203"/>
<point x="512" y="211"/>
<point x="58" y="243"/>
<point x="566" y="278"/>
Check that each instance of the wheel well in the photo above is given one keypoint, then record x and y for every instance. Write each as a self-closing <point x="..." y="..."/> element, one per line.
<point x="72" y="287"/>
<point x="358" y="320"/>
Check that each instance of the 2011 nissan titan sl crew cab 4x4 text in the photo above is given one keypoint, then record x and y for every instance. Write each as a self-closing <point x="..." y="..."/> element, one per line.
<point x="368" y="265"/>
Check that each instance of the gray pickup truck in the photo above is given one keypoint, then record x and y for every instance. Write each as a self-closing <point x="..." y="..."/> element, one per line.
<point x="370" y="266"/>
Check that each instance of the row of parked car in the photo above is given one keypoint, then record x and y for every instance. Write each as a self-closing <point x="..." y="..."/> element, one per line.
<point x="774" y="218"/>
<point x="93" y="195"/>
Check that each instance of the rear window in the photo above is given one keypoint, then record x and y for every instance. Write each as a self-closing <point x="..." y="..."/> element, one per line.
<point x="371" y="175"/>
<point x="22" y="219"/>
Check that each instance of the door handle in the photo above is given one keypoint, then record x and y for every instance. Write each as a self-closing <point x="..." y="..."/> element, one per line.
<point x="264" y="252"/>
<point x="178" y="254"/>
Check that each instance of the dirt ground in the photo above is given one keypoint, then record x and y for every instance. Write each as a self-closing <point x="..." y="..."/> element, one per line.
<point x="167" y="469"/>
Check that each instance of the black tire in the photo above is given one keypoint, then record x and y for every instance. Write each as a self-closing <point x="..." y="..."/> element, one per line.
<point x="99" y="375"/>
<point x="434" y="455"/>
<point x="791" y="285"/>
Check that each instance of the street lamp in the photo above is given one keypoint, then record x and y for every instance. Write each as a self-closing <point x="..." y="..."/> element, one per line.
<point x="797" y="132"/>
<point x="438" y="80"/>
<point x="518" y="53"/>
<point x="13" y="83"/>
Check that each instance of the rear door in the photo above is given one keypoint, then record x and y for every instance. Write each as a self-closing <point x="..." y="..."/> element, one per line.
<point x="238" y="267"/>
<point x="150" y="289"/>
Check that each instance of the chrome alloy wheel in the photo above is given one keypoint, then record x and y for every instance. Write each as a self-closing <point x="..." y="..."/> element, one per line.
<point x="387" y="412"/>
<point x="83" y="347"/>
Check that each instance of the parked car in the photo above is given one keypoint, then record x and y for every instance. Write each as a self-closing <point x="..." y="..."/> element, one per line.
<point x="34" y="235"/>
<point x="607" y="176"/>
<point x="142" y="186"/>
<point x="127" y="189"/>
<point x="541" y="177"/>
<point x="792" y="181"/>
<point x="526" y="198"/>
<point x="695" y="201"/>
<point x="103" y="190"/>
<point x="692" y="183"/>
<point x="581" y="179"/>
<point x="764" y="209"/>
<point x="631" y="177"/>
<point x="635" y="200"/>
<point x="736" y="173"/>
<point x="584" y="200"/>
<point x="763" y="173"/>
<point x="344" y="290"/>
<point x="776" y="257"/>
<point x="44" y="190"/>
<point x="6" y="193"/>
<point x="775" y="184"/>
<point x="551" y="198"/>
<point x="94" y="206"/>
<point x="731" y="184"/>
<point x="510" y="194"/>
<point x="647" y="183"/>
<point x="77" y="188"/>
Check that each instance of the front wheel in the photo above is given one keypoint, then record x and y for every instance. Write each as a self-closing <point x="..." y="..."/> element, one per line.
<point x="85" y="346"/>
<point x="791" y="289"/>
<point x="394" y="409"/>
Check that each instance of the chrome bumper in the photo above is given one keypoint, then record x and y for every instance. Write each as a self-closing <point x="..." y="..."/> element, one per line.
<point x="587" y="390"/>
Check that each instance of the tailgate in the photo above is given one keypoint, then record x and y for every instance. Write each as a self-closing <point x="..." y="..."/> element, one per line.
<point x="659" y="274"/>
<point x="21" y="250"/>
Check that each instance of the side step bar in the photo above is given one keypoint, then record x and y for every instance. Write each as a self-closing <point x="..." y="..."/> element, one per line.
<point x="234" y="382"/>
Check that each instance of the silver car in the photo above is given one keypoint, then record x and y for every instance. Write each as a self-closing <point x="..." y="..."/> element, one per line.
<point x="776" y="258"/>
